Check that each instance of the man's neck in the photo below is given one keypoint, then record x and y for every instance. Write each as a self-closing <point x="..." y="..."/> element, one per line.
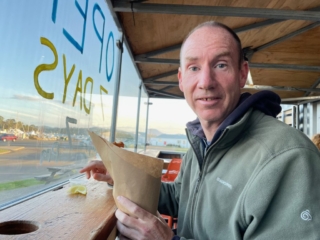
<point x="209" y="130"/>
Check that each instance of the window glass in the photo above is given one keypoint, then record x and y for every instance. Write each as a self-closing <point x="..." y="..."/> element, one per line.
<point x="128" y="103"/>
<point x="142" y="121"/>
<point x="167" y="123"/>
<point x="57" y="72"/>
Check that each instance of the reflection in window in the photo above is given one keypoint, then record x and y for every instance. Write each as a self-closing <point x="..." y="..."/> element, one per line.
<point x="52" y="91"/>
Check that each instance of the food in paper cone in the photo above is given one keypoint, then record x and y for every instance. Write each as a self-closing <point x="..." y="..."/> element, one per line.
<point x="135" y="176"/>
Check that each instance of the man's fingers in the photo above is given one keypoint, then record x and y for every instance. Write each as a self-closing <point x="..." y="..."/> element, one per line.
<point x="125" y="224"/>
<point x="89" y="167"/>
<point x="125" y="219"/>
<point x="147" y="227"/>
<point x="88" y="174"/>
<point x="103" y="177"/>
<point x="125" y="232"/>
<point x="92" y="165"/>
<point x="133" y="208"/>
<point x="122" y="237"/>
<point x="95" y="166"/>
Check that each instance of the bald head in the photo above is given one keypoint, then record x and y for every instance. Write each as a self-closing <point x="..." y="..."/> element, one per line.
<point x="213" y="24"/>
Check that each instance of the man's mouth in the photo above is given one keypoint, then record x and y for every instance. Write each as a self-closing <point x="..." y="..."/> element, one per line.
<point x="207" y="99"/>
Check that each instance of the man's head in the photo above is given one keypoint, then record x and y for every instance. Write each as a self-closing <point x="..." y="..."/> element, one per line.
<point x="217" y="24"/>
<point x="212" y="72"/>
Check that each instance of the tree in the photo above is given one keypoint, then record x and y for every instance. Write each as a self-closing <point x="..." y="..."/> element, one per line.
<point x="33" y="128"/>
<point x="19" y="125"/>
<point x="1" y="122"/>
<point x="10" y="123"/>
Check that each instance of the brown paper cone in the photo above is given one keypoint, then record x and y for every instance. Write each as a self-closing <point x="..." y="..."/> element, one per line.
<point x="136" y="177"/>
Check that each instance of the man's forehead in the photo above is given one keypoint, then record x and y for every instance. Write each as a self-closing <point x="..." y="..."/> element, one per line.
<point x="192" y="56"/>
<point x="208" y="34"/>
<point x="205" y="36"/>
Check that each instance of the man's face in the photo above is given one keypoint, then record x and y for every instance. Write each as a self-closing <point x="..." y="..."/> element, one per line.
<point x="210" y="76"/>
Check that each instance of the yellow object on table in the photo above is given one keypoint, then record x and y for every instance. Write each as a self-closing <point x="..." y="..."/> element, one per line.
<point x="77" y="186"/>
<point x="78" y="189"/>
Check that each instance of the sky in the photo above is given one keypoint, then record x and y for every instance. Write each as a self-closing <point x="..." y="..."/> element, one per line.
<point x="170" y="116"/>
<point x="51" y="58"/>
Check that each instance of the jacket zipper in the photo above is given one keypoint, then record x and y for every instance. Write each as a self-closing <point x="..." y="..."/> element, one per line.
<point x="198" y="182"/>
<point x="199" y="178"/>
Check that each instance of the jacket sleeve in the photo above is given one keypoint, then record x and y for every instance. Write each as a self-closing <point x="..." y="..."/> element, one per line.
<point x="170" y="194"/>
<point x="282" y="200"/>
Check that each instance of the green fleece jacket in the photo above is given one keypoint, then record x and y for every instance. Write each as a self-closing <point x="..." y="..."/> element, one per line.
<point x="259" y="180"/>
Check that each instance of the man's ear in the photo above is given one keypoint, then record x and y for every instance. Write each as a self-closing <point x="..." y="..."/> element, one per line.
<point x="180" y="79"/>
<point x="244" y="73"/>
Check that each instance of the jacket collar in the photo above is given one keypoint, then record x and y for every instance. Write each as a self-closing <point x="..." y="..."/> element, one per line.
<point x="265" y="101"/>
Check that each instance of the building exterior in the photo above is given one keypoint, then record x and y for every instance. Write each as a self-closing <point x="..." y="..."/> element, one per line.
<point x="305" y="117"/>
<point x="174" y="140"/>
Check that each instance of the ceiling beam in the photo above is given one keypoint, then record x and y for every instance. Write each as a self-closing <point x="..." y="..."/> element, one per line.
<point x="157" y="60"/>
<point x="268" y="13"/>
<point x="165" y="88"/>
<point x="162" y="90"/>
<point x="249" y="52"/>
<point x="162" y="83"/>
<point x="286" y="37"/>
<point x="164" y="93"/>
<point x="251" y="65"/>
<point x="285" y="67"/>
<point x="237" y="30"/>
<point x="162" y="75"/>
<point x="125" y="41"/>
<point x="300" y="99"/>
<point x="160" y="51"/>
<point x="280" y="88"/>
<point x="313" y="86"/>
<point x="255" y="87"/>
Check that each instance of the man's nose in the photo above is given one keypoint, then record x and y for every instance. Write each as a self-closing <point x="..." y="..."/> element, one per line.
<point x="206" y="78"/>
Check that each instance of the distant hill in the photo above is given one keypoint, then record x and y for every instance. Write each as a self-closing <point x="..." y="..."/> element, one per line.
<point x="173" y="136"/>
<point x="154" y="132"/>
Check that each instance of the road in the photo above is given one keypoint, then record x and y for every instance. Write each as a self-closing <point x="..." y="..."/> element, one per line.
<point x="26" y="159"/>
<point x="34" y="143"/>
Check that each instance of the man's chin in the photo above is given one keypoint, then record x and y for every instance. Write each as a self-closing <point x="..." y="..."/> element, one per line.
<point x="208" y="120"/>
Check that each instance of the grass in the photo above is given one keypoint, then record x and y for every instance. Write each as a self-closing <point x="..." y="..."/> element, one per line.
<point x="2" y="150"/>
<point x="19" y="184"/>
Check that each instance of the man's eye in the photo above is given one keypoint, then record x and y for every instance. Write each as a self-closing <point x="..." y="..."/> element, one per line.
<point x="221" y="65"/>
<point x="193" y="69"/>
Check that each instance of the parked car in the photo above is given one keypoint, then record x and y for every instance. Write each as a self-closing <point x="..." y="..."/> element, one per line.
<point x="8" y="137"/>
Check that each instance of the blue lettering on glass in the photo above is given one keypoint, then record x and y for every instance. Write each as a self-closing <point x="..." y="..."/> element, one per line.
<point x="54" y="11"/>
<point x="69" y="37"/>
<point x="110" y="75"/>
<point x="96" y="7"/>
<point x="101" y="37"/>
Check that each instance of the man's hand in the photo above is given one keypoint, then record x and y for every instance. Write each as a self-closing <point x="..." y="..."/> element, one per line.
<point x="98" y="171"/>
<point x="143" y="226"/>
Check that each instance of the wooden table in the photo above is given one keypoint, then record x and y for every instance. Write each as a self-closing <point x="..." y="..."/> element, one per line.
<point x="63" y="216"/>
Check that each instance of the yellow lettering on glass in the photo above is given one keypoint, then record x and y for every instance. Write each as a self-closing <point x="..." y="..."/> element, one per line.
<point x="89" y="79"/>
<point x="45" y="67"/>
<point x="78" y="89"/>
<point x="66" y="78"/>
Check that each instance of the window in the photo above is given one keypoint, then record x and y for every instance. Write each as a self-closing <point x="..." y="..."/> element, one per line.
<point x="57" y="77"/>
<point x="128" y="103"/>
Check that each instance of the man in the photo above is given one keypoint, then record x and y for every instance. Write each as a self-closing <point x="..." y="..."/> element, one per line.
<point x="247" y="175"/>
